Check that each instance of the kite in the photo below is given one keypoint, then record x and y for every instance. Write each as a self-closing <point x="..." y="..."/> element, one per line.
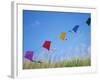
<point x="29" y="55"/>
<point x="75" y="28"/>
<point x="63" y="35"/>
<point x="47" y="45"/>
<point x="88" y="21"/>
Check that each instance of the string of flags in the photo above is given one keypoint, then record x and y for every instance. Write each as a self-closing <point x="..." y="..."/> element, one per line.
<point x="47" y="43"/>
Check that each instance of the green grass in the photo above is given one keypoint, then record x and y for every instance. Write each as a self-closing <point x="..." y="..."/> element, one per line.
<point x="75" y="62"/>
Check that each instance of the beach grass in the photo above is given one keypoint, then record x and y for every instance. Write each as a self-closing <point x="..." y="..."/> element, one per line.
<point x="75" y="62"/>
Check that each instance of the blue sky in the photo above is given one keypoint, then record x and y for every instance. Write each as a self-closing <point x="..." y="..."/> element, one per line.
<point x="39" y="26"/>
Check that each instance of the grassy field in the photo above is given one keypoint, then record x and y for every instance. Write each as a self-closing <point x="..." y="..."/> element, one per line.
<point x="76" y="62"/>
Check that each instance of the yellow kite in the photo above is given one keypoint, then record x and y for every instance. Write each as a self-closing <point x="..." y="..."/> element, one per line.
<point x="62" y="35"/>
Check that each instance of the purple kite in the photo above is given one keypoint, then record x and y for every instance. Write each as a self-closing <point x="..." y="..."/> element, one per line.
<point x="29" y="55"/>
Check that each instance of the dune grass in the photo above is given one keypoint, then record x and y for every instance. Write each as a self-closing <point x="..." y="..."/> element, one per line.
<point x="75" y="62"/>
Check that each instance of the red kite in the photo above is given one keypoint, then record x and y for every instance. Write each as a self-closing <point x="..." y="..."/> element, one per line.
<point x="47" y="44"/>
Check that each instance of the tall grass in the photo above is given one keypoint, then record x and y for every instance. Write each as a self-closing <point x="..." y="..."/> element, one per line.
<point x="75" y="62"/>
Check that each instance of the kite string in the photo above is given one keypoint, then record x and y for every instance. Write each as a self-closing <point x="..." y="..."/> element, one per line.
<point x="36" y="52"/>
<point x="41" y="51"/>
